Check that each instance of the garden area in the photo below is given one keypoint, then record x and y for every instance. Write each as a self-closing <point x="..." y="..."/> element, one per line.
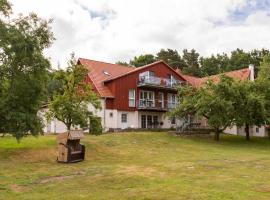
<point x="142" y="165"/>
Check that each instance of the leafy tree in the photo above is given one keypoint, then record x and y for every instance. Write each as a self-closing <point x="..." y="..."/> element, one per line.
<point x="23" y="70"/>
<point x="142" y="60"/>
<point x="238" y="60"/>
<point x="249" y="106"/>
<point x="212" y="101"/>
<point x="191" y="62"/>
<point x="122" y="63"/>
<point x="214" y="64"/>
<point x="171" y="57"/>
<point x="71" y="105"/>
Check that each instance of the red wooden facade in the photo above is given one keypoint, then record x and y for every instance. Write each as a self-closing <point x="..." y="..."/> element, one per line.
<point x="120" y="86"/>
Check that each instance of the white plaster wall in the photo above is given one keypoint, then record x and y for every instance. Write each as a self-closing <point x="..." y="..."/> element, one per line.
<point x="111" y="121"/>
<point x="241" y="131"/>
<point x="262" y="132"/>
<point x="132" y="119"/>
<point x="231" y="130"/>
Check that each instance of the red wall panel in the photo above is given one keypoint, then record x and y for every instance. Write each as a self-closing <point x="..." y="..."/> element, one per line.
<point x="120" y="86"/>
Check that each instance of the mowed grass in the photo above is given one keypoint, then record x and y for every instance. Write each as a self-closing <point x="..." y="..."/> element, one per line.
<point x="138" y="166"/>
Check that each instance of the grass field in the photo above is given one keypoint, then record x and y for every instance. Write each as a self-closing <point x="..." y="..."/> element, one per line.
<point x="138" y="166"/>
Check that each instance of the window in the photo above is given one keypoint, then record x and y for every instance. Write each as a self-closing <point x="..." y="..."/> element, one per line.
<point x="111" y="114"/>
<point x="173" y="120"/>
<point x="171" y="80"/>
<point x="143" y="121"/>
<point x="147" y="99"/>
<point x="149" y="121"/>
<point x="161" y="99"/>
<point x="172" y="100"/>
<point x="257" y="129"/>
<point x="131" y="98"/>
<point x="124" y="118"/>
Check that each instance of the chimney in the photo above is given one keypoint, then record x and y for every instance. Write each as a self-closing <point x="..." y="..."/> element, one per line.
<point x="252" y="73"/>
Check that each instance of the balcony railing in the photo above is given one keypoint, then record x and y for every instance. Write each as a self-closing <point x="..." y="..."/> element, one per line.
<point x="158" y="82"/>
<point x="155" y="104"/>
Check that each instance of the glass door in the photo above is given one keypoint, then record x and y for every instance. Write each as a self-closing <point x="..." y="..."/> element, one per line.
<point x="143" y="121"/>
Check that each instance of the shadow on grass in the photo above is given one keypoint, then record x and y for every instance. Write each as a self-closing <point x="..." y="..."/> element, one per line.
<point x="235" y="141"/>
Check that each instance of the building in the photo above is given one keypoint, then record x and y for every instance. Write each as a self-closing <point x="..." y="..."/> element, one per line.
<point x="242" y="74"/>
<point x="131" y="97"/>
<point x="139" y="98"/>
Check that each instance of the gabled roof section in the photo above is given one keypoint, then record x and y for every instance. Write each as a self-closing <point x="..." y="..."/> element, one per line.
<point x="144" y="67"/>
<point x="241" y="74"/>
<point x="102" y="71"/>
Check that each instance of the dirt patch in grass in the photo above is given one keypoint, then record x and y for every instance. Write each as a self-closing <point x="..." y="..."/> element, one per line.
<point x="134" y="170"/>
<point x="59" y="178"/>
<point x="18" y="188"/>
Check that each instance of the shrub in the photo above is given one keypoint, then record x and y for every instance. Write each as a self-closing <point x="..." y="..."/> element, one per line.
<point x="95" y="125"/>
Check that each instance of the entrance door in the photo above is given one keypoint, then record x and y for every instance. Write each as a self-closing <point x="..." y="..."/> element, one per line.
<point x="149" y="121"/>
<point x="143" y="121"/>
<point x="155" y="121"/>
<point x="124" y="119"/>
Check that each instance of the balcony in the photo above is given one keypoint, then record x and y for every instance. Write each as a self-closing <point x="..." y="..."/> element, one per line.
<point x="157" y="82"/>
<point x="155" y="105"/>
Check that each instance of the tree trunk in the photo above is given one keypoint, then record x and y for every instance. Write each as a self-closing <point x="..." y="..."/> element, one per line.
<point x="247" y="131"/>
<point x="68" y="127"/>
<point x="217" y="132"/>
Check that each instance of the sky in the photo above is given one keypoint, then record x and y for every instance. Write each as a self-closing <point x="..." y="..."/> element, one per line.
<point x="113" y="30"/>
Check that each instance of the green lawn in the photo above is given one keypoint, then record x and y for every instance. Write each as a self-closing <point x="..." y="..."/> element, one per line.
<point x="138" y="166"/>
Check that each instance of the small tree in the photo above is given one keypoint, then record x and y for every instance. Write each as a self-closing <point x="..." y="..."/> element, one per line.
<point x="71" y="105"/>
<point x="212" y="101"/>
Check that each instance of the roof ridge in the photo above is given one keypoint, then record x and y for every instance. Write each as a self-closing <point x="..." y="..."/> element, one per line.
<point x="224" y="73"/>
<point x="106" y="63"/>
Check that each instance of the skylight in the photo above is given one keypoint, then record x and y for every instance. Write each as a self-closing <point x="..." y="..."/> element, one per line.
<point x="106" y="73"/>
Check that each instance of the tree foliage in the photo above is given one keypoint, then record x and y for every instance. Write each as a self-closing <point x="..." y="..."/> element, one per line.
<point x="213" y="101"/>
<point x="23" y="71"/>
<point x="142" y="60"/>
<point x="249" y="106"/>
<point x="171" y="57"/>
<point x="70" y="104"/>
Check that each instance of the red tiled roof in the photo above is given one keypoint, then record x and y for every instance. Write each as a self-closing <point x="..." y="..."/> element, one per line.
<point x="98" y="74"/>
<point x="143" y="67"/>
<point x="241" y="74"/>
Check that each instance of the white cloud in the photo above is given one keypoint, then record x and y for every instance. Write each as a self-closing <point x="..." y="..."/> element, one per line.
<point x="112" y="30"/>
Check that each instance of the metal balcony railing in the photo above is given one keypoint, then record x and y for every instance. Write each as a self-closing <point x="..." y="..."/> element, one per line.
<point x="158" y="81"/>
<point x="155" y="104"/>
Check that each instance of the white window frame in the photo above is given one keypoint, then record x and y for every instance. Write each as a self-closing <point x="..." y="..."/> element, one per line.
<point x="147" y="101"/>
<point x="131" y="99"/>
<point x="126" y="118"/>
<point x="172" y="100"/>
<point x="161" y="100"/>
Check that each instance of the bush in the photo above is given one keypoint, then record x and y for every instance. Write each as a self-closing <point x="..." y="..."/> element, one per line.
<point x="95" y="125"/>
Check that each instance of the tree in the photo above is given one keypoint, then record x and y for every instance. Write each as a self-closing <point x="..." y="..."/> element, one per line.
<point x="249" y="106"/>
<point x="238" y="60"/>
<point x="142" y="60"/>
<point x="212" y="101"/>
<point x="23" y="70"/>
<point x="171" y="57"/>
<point x="214" y="64"/>
<point x="191" y="62"/>
<point x="122" y="63"/>
<point x="71" y="105"/>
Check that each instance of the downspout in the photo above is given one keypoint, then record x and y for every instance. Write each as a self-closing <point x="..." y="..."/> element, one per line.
<point x="104" y="114"/>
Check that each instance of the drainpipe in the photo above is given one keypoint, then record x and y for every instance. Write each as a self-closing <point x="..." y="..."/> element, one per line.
<point x="104" y="114"/>
<point x="252" y="73"/>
